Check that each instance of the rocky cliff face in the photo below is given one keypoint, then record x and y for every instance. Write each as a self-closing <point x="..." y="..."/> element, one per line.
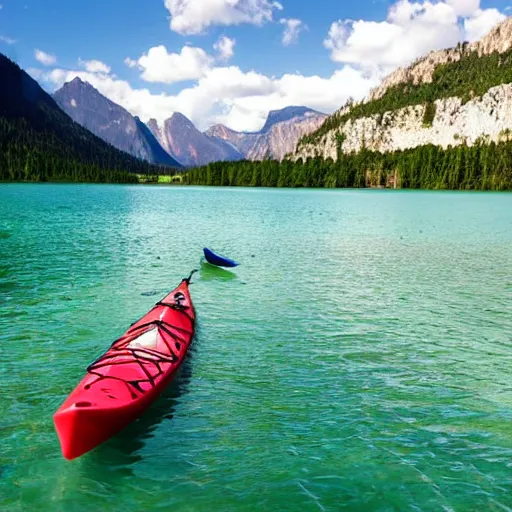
<point x="111" y="122"/>
<point x="487" y="117"/>
<point x="188" y="145"/>
<point x="278" y="137"/>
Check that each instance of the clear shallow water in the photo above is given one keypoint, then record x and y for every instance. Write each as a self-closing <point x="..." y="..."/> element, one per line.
<point x="360" y="358"/>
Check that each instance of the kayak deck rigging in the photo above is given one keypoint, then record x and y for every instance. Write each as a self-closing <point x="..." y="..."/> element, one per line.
<point x="142" y="355"/>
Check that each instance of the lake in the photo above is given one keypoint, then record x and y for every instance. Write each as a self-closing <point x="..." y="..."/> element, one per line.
<point x="359" y="358"/>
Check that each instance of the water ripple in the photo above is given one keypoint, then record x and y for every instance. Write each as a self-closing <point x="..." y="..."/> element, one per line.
<point x="358" y="359"/>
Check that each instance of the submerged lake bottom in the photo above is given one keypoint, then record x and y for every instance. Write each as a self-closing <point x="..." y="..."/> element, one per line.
<point x="359" y="358"/>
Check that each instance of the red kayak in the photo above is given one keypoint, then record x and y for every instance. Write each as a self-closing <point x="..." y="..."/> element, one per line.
<point x="129" y="376"/>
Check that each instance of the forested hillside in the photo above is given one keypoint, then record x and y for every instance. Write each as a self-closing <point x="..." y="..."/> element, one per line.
<point x="470" y="76"/>
<point x="38" y="141"/>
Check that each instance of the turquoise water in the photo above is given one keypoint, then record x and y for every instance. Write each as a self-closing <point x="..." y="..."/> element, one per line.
<point x="360" y="358"/>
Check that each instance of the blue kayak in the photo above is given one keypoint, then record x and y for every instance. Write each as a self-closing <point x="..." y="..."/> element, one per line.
<point x="216" y="259"/>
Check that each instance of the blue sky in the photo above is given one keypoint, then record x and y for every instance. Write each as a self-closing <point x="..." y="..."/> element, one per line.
<point x="132" y="50"/>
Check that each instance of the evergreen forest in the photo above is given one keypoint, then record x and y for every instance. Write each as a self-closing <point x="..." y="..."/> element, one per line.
<point x="478" y="167"/>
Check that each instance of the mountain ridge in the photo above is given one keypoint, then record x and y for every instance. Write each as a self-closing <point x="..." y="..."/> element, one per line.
<point x="279" y="135"/>
<point x="286" y="114"/>
<point x="189" y="146"/>
<point x="176" y="141"/>
<point x="111" y="122"/>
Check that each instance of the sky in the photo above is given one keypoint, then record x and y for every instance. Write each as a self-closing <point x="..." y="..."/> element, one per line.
<point x="232" y="61"/>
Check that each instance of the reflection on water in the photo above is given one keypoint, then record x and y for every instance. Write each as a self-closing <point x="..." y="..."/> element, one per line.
<point x="210" y="272"/>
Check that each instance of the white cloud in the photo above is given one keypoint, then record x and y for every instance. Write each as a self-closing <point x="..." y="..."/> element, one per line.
<point x="481" y="23"/>
<point x="7" y="40"/>
<point x="194" y="16"/>
<point x="45" y="58"/>
<point x="160" y="66"/>
<point x="225" y="48"/>
<point x="248" y="111"/>
<point x="411" y="30"/>
<point x="130" y="62"/>
<point x="229" y="95"/>
<point x="464" y="7"/>
<point x="292" y="30"/>
<point x="94" y="66"/>
<point x="191" y="63"/>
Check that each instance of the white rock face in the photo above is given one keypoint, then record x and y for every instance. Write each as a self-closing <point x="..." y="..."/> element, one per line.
<point x="488" y="117"/>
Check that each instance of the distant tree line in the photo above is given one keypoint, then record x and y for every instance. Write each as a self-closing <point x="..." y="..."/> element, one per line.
<point x="478" y="167"/>
<point x="470" y="76"/>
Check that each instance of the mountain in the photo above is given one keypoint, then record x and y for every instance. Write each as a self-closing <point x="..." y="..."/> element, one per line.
<point x="85" y="105"/>
<point x="39" y="141"/>
<point x="457" y="97"/>
<point x="287" y="114"/>
<point x="178" y="141"/>
<point x="279" y="135"/>
<point x="188" y="145"/>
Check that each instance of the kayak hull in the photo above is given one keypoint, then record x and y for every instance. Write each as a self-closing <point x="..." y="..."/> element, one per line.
<point x="122" y="383"/>
<point x="216" y="259"/>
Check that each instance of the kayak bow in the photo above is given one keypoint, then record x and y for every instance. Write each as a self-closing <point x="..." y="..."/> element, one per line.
<point x="129" y="376"/>
<point x="216" y="259"/>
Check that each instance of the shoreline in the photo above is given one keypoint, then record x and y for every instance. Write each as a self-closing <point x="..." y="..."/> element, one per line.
<point x="249" y="187"/>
